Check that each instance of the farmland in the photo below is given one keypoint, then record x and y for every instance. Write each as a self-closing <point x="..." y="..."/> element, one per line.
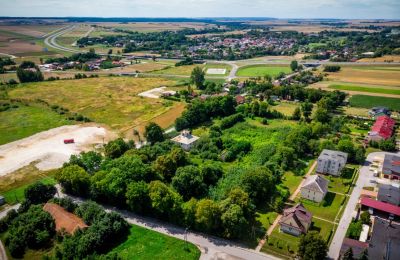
<point x="23" y="121"/>
<point x="363" y="101"/>
<point x="109" y="100"/>
<point x="369" y="89"/>
<point x="261" y="70"/>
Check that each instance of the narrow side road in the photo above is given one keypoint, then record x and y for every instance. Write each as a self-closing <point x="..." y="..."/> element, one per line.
<point x="212" y="248"/>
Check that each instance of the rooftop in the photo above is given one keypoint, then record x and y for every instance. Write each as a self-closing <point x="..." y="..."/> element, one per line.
<point x="391" y="162"/>
<point x="379" y="205"/>
<point x="299" y="214"/>
<point x="316" y="183"/>
<point x="64" y="219"/>
<point x="383" y="126"/>
<point x="385" y="240"/>
<point x="333" y="155"/>
<point x="357" y="246"/>
<point x="185" y="138"/>
<point x="389" y="194"/>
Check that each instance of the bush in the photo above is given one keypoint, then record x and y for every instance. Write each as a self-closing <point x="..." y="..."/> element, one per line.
<point x="230" y="121"/>
<point x="332" y="68"/>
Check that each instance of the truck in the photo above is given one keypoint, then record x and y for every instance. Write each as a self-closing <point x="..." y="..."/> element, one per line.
<point x="69" y="141"/>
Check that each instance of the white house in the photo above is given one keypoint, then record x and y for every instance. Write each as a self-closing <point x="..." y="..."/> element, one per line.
<point x="331" y="162"/>
<point x="314" y="188"/>
<point x="186" y="140"/>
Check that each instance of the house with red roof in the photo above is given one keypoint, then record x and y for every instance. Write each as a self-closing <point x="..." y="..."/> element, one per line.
<point x="295" y="220"/>
<point x="382" y="129"/>
<point x="380" y="206"/>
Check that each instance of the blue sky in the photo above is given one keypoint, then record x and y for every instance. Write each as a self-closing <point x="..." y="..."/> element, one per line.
<point x="389" y="9"/>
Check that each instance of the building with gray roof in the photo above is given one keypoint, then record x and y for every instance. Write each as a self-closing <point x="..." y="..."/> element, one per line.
<point x="331" y="162"/>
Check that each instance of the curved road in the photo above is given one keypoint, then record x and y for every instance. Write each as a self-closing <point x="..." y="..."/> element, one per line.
<point x="212" y="248"/>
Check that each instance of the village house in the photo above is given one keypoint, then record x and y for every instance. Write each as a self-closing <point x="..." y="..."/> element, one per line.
<point x="314" y="188"/>
<point x="331" y="162"/>
<point x="382" y="129"/>
<point x="391" y="167"/>
<point x="295" y="220"/>
<point x="185" y="140"/>
<point x="379" y="111"/>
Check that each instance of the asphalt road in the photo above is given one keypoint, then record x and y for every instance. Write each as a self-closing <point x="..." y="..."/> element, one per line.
<point x="364" y="179"/>
<point x="50" y="40"/>
<point x="212" y="248"/>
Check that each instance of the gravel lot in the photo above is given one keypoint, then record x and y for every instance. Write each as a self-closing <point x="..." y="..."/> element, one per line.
<point x="48" y="148"/>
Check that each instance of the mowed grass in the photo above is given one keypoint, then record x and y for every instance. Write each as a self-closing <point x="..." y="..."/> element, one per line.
<point x="291" y="181"/>
<point x="217" y="66"/>
<point x="286" y="108"/>
<point x="327" y="209"/>
<point x="364" y="101"/>
<point x="113" y="101"/>
<point x="146" y="244"/>
<point x="261" y="70"/>
<point x="24" y="121"/>
<point x="286" y="245"/>
<point x="369" y="89"/>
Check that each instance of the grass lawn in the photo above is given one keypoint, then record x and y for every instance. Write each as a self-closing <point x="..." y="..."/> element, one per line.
<point x="24" y="121"/>
<point x="291" y="181"/>
<point x="282" y="244"/>
<point x="373" y="101"/>
<point x="266" y="219"/>
<point x="327" y="209"/>
<point x="262" y="70"/>
<point x="369" y="89"/>
<point x="12" y="185"/>
<point x="146" y="244"/>
<point x="286" y="108"/>
<point x="113" y="101"/>
<point x="343" y="183"/>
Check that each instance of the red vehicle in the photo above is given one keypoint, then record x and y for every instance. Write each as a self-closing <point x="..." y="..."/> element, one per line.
<point x="69" y="141"/>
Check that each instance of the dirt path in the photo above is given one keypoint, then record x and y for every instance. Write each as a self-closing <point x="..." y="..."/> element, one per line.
<point x="48" y="147"/>
<point x="278" y="218"/>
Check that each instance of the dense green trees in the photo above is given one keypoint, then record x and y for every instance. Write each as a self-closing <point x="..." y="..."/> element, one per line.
<point x="116" y="148"/>
<point x="39" y="193"/>
<point x="312" y="246"/>
<point x="332" y="68"/>
<point x="189" y="182"/>
<point x="29" y="72"/>
<point x="153" y="133"/>
<point x="32" y="229"/>
<point x="74" y="180"/>
<point x="294" y="65"/>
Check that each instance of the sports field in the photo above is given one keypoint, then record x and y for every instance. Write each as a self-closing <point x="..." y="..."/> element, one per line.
<point x="364" y="101"/>
<point x="261" y="70"/>
<point x="109" y="100"/>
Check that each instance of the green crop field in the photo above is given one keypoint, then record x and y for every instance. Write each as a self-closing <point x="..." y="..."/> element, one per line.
<point x="262" y="70"/>
<point x="24" y="121"/>
<point x="364" y="101"/>
<point x="146" y="244"/>
<point x="369" y="89"/>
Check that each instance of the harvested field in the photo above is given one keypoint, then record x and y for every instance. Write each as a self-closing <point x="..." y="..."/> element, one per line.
<point x="385" y="76"/>
<point x="145" y="66"/>
<point x="31" y="30"/>
<point x="113" y="101"/>
<point x="181" y="70"/>
<point x="385" y="58"/>
<point x="153" y="27"/>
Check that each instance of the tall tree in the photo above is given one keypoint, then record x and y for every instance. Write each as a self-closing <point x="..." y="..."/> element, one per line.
<point x="198" y="77"/>
<point x="294" y="65"/>
<point x="312" y="246"/>
<point x="154" y="133"/>
<point x="306" y="108"/>
<point x="348" y="255"/>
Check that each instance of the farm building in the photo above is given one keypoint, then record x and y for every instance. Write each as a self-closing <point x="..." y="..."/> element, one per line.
<point x="382" y="129"/>
<point x="314" y="188"/>
<point x="380" y="208"/>
<point x="186" y="140"/>
<point x="391" y="167"/>
<point x="331" y="162"/>
<point x="64" y="219"/>
<point x="379" y="111"/>
<point x="295" y="220"/>
<point x="385" y="240"/>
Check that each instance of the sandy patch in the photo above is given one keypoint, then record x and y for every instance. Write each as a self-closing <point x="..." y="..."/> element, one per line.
<point x="48" y="148"/>
<point x="216" y="71"/>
